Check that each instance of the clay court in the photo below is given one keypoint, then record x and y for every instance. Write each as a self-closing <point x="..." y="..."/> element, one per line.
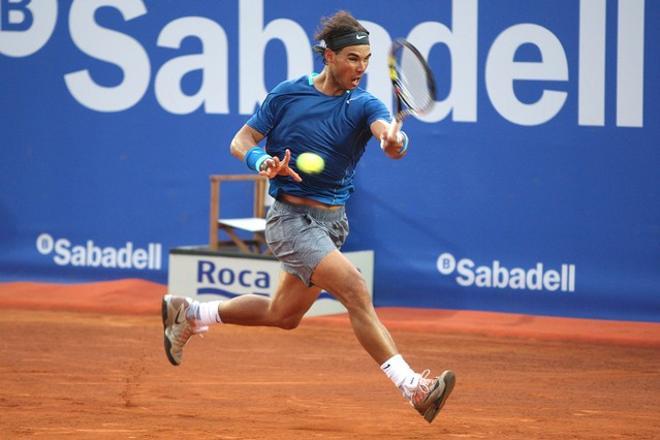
<point x="78" y="362"/>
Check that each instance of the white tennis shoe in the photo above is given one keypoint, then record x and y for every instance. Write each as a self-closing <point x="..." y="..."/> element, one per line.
<point x="429" y="395"/>
<point x="177" y="329"/>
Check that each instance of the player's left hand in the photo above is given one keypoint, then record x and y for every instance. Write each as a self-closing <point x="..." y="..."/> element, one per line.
<point x="275" y="167"/>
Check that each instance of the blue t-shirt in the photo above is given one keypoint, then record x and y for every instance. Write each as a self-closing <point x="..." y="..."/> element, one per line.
<point x="295" y="115"/>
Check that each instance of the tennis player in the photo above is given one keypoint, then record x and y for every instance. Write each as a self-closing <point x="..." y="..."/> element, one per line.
<point x="327" y="114"/>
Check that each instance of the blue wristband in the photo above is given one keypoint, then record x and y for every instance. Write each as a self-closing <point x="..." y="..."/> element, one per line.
<point x="404" y="147"/>
<point x="255" y="157"/>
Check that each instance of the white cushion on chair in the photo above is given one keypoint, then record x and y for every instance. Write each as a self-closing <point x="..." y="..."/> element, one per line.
<point x="252" y="224"/>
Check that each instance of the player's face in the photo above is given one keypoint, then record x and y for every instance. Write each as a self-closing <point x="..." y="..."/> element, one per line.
<point x="349" y="64"/>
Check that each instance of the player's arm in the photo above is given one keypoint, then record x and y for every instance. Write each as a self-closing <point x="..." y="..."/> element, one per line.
<point x="244" y="147"/>
<point x="246" y="138"/>
<point x="395" y="147"/>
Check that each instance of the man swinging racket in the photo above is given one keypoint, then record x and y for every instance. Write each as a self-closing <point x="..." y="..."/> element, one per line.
<point x="329" y="115"/>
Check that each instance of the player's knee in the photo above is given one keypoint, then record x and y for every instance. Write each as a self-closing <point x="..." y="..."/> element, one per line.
<point x="356" y="295"/>
<point x="283" y="320"/>
<point x="289" y="322"/>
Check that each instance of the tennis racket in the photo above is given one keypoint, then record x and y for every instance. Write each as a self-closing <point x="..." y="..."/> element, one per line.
<point x="412" y="83"/>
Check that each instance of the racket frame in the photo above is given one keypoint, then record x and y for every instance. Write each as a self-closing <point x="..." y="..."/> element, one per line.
<point x="403" y="105"/>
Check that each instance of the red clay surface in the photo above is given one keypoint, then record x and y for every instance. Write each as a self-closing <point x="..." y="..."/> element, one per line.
<point x="86" y="361"/>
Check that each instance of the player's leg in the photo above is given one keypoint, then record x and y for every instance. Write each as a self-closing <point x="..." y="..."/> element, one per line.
<point x="285" y="310"/>
<point x="183" y="318"/>
<point x="337" y="275"/>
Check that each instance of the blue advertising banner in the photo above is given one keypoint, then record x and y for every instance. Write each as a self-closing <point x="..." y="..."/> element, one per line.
<point x="532" y="186"/>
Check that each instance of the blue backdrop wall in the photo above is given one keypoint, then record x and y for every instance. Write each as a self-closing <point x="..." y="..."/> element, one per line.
<point x="532" y="186"/>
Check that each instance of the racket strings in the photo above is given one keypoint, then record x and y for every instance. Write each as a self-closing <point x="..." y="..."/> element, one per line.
<point x="413" y="81"/>
<point x="405" y="95"/>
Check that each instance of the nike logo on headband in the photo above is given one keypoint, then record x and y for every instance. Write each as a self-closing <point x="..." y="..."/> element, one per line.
<point x="359" y="37"/>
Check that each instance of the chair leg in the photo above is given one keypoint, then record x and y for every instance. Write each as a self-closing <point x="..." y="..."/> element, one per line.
<point x="236" y="239"/>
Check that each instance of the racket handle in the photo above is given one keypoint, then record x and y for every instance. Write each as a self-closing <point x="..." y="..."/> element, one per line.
<point x="395" y="128"/>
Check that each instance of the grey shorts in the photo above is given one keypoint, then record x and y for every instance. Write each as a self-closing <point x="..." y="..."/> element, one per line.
<point x="300" y="236"/>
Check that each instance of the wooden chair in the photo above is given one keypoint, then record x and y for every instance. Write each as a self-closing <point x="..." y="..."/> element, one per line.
<point x="255" y="225"/>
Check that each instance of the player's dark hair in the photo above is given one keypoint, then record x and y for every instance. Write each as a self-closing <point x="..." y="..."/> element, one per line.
<point x="340" y="24"/>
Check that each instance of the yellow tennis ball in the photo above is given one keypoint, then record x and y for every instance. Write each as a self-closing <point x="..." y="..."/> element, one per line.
<point x="310" y="163"/>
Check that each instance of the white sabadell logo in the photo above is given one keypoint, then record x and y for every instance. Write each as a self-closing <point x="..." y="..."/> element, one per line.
<point x="26" y="26"/>
<point x="90" y="255"/>
<point x="498" y="276"/>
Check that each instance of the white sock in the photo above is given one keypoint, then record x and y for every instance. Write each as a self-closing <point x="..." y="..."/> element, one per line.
<point x="205" y="313"/>
<point x="400" y="373"/>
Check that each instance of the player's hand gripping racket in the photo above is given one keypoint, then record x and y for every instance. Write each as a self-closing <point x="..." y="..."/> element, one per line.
<point x="412" y="83"/>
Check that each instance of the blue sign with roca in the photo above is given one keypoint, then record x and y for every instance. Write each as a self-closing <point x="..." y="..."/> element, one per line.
<point x="531" y="187"/>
